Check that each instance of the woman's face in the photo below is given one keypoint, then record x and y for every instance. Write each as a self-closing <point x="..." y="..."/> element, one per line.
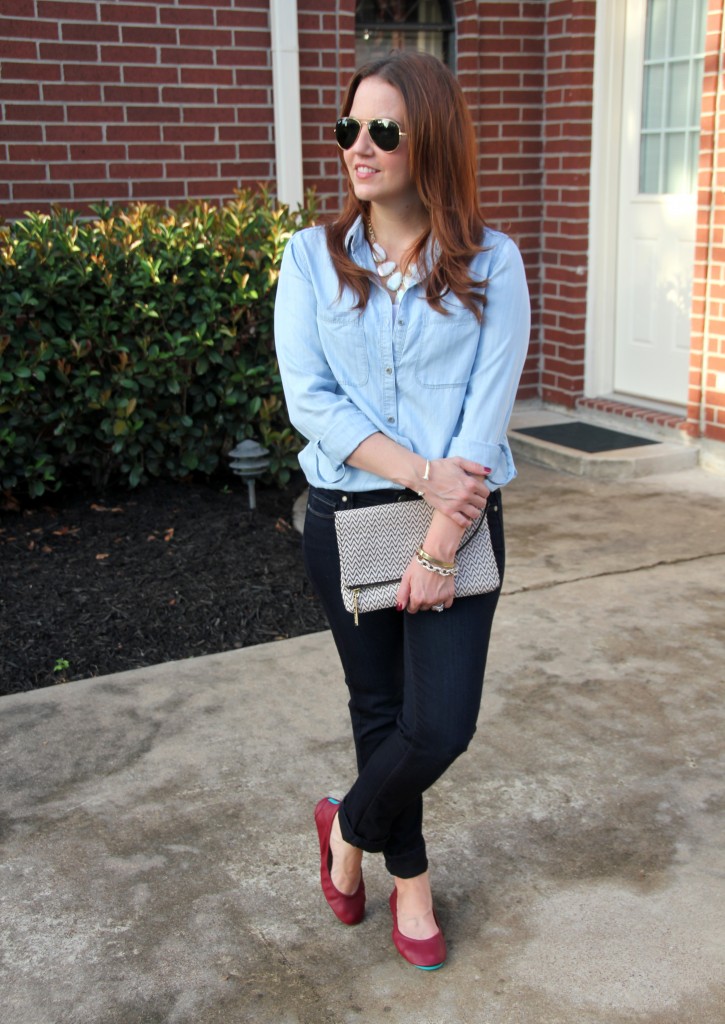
<point x="377" y="176"/>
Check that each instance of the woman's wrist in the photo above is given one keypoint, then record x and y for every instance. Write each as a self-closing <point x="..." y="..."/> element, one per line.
<point x="443" y="538"/>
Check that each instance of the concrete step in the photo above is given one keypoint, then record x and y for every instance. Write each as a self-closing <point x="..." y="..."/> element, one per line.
<point x="666" y="455"/>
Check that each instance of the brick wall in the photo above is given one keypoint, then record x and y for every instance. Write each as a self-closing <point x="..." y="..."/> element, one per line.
<point x="567" y="131"/>
<point x="501" y="68"/>
<point x="706" y="409"/>
<point x="151" y="99"/>
<point x="327" y="61"/>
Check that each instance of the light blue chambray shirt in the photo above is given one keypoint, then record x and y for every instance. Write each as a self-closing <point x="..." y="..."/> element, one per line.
<point x="438" y="385"/>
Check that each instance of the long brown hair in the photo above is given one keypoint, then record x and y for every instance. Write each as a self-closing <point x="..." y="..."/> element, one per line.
<point x="442" y="164"/>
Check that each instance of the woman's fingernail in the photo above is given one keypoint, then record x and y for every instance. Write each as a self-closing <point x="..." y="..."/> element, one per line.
<point x="398" y="607"/>
<point x="487" y="468"/>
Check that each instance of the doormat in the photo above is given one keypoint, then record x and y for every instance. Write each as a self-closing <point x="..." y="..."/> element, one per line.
<point x="585" y="437"/>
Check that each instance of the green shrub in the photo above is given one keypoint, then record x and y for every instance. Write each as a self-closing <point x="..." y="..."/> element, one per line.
<point x="140" y="343"/>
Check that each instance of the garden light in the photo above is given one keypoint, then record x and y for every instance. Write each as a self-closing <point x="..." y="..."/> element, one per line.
<point x="249" y="460"/>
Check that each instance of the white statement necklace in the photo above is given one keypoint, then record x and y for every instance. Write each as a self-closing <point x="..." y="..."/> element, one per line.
<point x="390" y="273"/>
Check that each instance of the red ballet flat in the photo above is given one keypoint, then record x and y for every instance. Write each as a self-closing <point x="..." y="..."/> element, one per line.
<point x="426" y="954"/>
<point x="349" y="909"/>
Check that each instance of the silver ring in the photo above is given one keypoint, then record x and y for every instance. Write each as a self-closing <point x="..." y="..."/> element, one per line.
<point x="437" y="608"/>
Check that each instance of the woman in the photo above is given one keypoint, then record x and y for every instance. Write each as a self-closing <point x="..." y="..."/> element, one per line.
<point x="401" y="332"/>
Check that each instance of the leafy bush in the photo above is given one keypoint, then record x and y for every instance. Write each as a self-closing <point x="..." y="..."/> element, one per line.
<point x="139" y="343"/>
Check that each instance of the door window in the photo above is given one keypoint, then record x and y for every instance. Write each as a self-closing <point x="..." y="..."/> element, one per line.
<point x="671" y="95"/>
<point x="385" y="25"/>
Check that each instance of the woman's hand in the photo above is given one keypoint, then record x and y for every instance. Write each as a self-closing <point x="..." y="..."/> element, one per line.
<point x="457" y="488"/>
<point x="421" y="590"/>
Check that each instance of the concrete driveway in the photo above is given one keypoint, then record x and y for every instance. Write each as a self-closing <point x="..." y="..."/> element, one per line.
<point x="159" y="857"/>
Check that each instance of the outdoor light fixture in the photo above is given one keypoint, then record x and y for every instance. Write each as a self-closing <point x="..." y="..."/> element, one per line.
<point x="249" y="460"/>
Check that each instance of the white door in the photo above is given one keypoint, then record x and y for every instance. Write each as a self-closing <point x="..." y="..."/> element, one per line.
<point x="662" y="87"/>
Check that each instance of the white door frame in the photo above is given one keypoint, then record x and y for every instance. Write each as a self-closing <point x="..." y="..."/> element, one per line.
<point x="604" y="199"/>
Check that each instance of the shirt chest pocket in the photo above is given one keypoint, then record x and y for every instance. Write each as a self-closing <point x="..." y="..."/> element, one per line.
<point x="343" y="341"/>
<point x="446" y="349"/>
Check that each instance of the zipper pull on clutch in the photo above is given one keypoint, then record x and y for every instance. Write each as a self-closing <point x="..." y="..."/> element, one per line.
<point x="354" y="606"/>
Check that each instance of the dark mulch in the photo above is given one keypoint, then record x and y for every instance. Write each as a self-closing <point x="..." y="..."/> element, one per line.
<point x="172" y="571"/>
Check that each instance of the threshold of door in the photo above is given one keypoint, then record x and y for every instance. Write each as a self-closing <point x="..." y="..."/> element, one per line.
<point x="575" y="445"/>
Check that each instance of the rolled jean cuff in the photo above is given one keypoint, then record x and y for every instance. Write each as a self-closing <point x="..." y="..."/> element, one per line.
<point x="350" y="836"/>
<point x="402" y="865"/>
<point x="407" y="865"/>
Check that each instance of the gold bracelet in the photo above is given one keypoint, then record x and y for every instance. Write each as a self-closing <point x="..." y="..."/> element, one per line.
<point x="434" y="561"/>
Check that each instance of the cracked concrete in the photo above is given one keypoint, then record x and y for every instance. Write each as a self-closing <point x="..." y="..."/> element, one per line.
<point x="158" y="852"/>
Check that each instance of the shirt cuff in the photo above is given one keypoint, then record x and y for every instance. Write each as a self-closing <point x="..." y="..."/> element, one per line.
<point x="497" y="457"/>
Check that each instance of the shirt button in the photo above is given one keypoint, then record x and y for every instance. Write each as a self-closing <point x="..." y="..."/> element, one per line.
<point x="388" y="369"/>
<point x="391" y="419"/>
<point x="401" y="323"/>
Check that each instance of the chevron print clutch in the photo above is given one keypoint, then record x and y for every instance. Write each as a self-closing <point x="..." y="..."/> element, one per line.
<point x="377" y="543"/>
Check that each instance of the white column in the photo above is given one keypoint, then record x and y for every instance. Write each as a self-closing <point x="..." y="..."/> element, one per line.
<point x="287" y="105"/>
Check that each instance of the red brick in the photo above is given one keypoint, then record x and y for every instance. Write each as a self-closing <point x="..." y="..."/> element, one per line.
<point x="160" y="152"/>
<point x="19" y="49"/>
<point x="131" y="94"/>
<point x="144" y="14"/>
<point x="74" y="133"/>
<point x="212" y="38"/>
<point x="132" y="172"/>
<point x="89" y="32"/>
<point x="69" y="52"/>
<point x="35" y="29"/>
<point x="128" y="54"/>
<point x="23" y="8"/>
<point x="60" y="93"/>
<point x="33" y="72"/>
<point x="134" y="133"/>
<point x="159" y="191"/>
<point x="97" y="152"/>
<point x="186" y="15"/>
<point x="157" y="36"/>
<point x="66" y="10"/>
<point x="33" y="112"/>
<point x="187" y="55"/>
<point x="76" y="171"/>
<point x="18" y="92"/>
<point x="207" y="76"/>
<point x="49" y="191"/>
<point x="102" y="191"/>
<point x="143" y="73"/>
<point x="91" y="112"/>
<point x="209" y="115"/>
<point x="187" y="94"/>
<point x="152" y="115"/>
<point x="209" y="152"/>
<point x="188" y="133"/>
<point x="25" y="172"/>
<point x="91" y="73"/>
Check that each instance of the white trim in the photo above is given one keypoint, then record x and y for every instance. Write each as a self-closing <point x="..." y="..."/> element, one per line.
<point x="604" y="198"/>
<point x="287" y="101"/>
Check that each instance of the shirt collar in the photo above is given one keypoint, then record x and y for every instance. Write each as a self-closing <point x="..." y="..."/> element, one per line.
<point x="355" y="238"/>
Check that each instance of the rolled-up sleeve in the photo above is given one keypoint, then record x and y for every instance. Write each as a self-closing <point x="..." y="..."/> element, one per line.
<point x="317" y="406"/>
<point x="491" y="390"/>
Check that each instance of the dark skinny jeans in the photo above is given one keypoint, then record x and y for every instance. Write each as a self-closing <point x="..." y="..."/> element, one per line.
<point x="415" y="684"/>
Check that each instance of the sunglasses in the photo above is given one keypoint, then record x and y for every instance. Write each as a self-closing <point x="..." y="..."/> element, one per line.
<point x="384" y="132"/>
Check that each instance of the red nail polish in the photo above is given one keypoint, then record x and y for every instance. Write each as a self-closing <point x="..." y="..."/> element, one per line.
<point x="487" y="468"/>
<point x="398" y="607"/>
